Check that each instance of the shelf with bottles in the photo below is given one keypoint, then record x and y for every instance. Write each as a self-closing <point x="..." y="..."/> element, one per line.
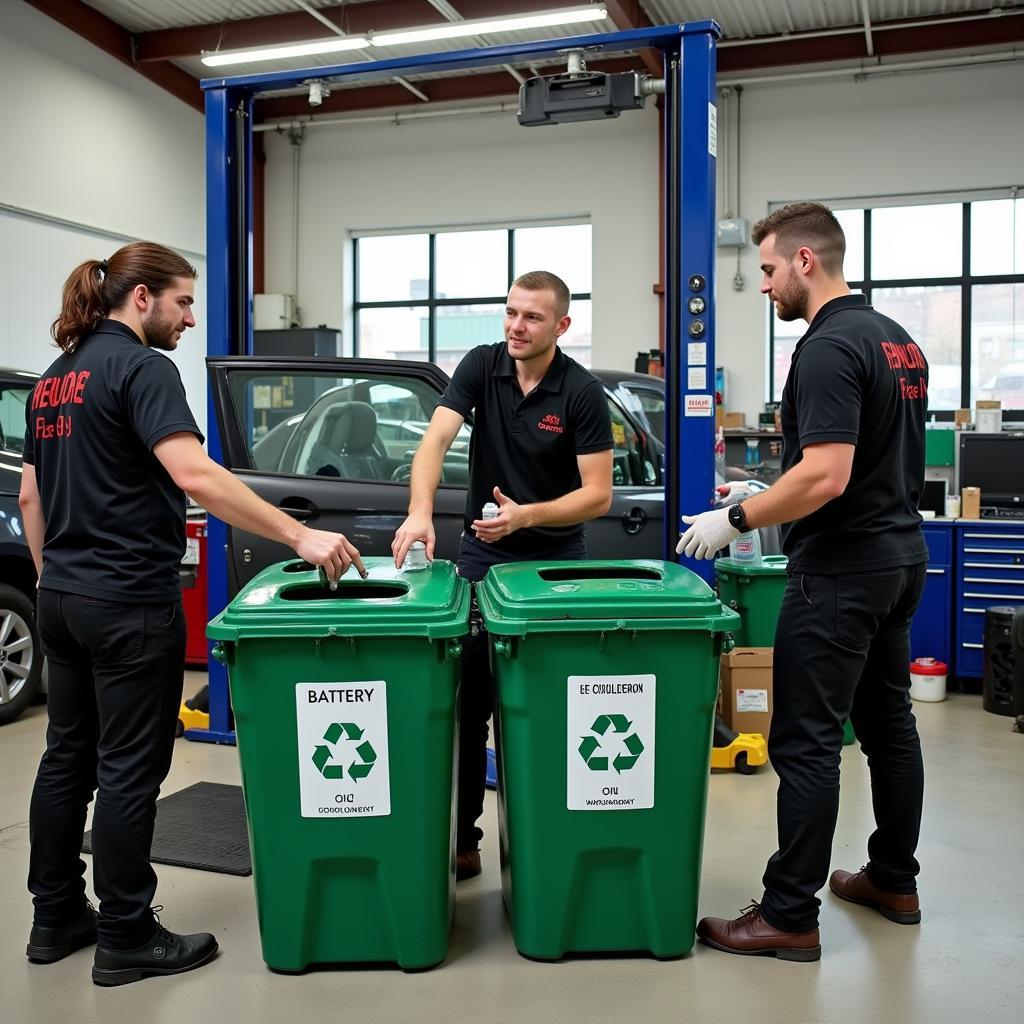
<point x="758" y="453"/>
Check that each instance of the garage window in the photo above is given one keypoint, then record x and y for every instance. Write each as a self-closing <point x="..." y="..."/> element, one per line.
<point x="435" y="295"/>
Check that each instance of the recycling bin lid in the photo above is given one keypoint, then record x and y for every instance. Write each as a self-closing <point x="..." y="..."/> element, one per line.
<point x="520" y="597"/>
<point x="771" y="565"/>
<point x="288" y="600"/>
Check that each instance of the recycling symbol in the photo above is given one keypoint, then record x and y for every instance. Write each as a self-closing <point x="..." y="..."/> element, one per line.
<point x="596" y="756"/>
<point x="358" y="769"/>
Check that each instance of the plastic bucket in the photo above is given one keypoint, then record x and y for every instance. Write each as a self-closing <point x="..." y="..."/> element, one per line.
<point x="928" y="679"/>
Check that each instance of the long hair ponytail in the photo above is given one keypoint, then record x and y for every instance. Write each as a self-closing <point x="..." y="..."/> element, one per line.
<point x="97" y="287"/>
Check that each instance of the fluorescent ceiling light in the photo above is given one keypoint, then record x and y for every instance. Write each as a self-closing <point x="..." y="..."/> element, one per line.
<point x="335" y="44"/>
<point x="450" y="30"/>
<point x="484" y="26"/>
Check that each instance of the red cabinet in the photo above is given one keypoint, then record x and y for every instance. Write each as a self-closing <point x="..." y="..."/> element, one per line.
<point x="193" y="591"/>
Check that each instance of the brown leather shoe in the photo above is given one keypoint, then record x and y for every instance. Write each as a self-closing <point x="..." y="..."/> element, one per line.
<point x="857" y="887"/>
<point x="751" y="935"/>
<point x="467" y="864"/>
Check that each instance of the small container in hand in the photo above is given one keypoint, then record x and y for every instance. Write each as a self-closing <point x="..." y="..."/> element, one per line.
<point x="416" y="557"/>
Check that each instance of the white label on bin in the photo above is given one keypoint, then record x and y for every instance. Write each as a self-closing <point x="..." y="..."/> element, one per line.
<point x="751" y="700"/>
<point x="610" y="743"/>
<point x="342" y="735"/>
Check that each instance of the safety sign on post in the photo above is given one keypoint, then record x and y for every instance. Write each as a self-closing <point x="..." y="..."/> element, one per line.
<point x="610" y="743"/>
<point x="342" y="742"/>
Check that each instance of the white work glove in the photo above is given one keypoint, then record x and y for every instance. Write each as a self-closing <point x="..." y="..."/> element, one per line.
<point x="708" y="533"/>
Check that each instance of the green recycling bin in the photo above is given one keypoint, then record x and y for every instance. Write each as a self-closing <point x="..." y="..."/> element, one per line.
<point x="606" y="676"/>
<point x="345" y="710"/>
<point x="755" y="591"/>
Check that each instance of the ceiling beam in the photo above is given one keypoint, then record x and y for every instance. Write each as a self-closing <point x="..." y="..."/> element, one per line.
<point x="298" y="26"/>
<point x="628" y="14"/>
<point x="110" y="37"/>
<point x="489" y="85"/>
<point x="888" y="41"/>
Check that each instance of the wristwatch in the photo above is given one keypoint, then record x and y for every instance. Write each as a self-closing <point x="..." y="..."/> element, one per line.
<point x="737" y="517"/>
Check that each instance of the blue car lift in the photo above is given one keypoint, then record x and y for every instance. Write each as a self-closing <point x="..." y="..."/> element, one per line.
<point x="688" y="53"/>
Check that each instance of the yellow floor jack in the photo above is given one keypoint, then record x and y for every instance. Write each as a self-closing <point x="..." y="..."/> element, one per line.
<point x="744" y="752"/>
<point x="194" y="713"/>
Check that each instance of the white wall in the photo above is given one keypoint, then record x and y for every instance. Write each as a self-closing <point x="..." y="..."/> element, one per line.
<point x="472" y="170"/>
<point x="942" y="130"/>
<point x="91" y="143"/>
<point x="962" y="128"/>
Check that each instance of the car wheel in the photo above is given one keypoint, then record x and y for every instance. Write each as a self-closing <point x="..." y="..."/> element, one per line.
<point x="21" y="661"/>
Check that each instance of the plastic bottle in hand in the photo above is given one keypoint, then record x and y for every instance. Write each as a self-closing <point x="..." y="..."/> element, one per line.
<point x="490" y="511"/>
<point x="746" y="548"/>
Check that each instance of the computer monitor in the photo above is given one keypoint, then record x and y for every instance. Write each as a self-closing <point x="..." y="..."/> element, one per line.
<point x="995" y="464"/>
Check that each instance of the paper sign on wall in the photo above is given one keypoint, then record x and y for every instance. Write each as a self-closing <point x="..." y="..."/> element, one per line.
<point x="697" y="377"/>
<point x="698" y="405"/>
<point x="610" y="743"/>
<point x="342" y="737"/>
<point x="696" y="353"/>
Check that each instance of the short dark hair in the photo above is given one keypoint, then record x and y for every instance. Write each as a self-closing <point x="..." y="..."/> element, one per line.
<point x="96" y="287"/>
<point x="545" y="281"/>
<point x="810" y="224"/>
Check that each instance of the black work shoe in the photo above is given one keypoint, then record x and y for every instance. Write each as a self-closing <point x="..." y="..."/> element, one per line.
<point x="164" y="953"/>
<point x="48" y="945"/>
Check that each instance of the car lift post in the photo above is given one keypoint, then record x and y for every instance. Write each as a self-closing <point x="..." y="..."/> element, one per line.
<point x="689" y="181"/>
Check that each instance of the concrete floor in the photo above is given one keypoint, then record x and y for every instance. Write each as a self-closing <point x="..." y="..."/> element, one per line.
<point x="962" y="964"/>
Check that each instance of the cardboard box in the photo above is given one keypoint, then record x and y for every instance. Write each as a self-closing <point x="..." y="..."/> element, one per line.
<point x="733" y="420"/>
<point x="970" y="502"/>
<point x="962" y="417"/>
<point x="988" y="416"/>
<point x="747" y="689"/>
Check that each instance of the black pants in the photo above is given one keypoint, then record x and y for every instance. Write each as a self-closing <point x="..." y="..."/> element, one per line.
<point x="842" y="650"/>
<point x="476" y="691"/>
<point x="115" y="680"/>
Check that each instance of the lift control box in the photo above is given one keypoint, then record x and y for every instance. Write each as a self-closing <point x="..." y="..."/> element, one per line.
<point x="560" y="99"/>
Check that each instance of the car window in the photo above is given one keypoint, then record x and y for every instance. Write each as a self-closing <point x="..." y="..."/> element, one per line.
<point x="652" y="404"/>
<point x="350" y="428"/>
<point x="13" y="399"/>
<point x="629" y="466"/>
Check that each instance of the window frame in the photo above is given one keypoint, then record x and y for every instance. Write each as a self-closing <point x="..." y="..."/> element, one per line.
<point x="432" y="303"/>
<point x="966" y="281"/>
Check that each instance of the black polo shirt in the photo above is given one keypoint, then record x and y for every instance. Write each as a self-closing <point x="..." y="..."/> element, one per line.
<point x="527" y="445"/>
<point x="858" y="378"/>
<point x="115" y="520"/>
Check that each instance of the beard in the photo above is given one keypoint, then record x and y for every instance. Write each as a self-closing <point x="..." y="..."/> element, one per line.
<point x="791" y="303"/>
<point x="160" y="332"/>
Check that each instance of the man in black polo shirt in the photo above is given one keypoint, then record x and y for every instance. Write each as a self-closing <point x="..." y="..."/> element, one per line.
<point x="110" y="448"/>
<point x="541" y="450"/>
<point x="853" y="420"/>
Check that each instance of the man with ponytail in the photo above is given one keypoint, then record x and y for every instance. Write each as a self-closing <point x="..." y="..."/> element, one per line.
<point x="111" y="449"/>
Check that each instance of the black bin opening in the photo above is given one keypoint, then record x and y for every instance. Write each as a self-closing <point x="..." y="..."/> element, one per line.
<point x="608" y="573"/>
<point x="298" y="567"/>
<point x="345" y="592"/>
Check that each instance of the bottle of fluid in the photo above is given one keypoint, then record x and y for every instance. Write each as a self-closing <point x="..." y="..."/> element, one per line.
<point x="746" y="548"/>
<point x="490" y="511"/>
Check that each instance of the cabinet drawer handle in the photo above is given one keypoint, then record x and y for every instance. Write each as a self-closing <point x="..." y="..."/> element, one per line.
<point x="978" y="647"/>
<point x="994" y="551"/>
<point x="993" y="565"/>
<point x="986" y="579"/>
<point x="936" y="572"/>
<point x="1005" y="598"/>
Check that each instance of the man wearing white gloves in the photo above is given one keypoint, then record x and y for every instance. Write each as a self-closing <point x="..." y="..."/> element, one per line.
<point x="853" y="420"/>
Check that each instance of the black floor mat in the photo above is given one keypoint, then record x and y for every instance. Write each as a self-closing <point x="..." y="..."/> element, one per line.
<point x="200" y="827"/>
